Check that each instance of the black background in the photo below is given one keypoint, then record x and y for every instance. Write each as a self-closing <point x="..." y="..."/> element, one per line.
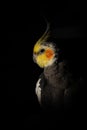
<point x="25" y="25"/>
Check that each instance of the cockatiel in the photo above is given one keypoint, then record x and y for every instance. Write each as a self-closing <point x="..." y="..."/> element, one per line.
<point x="56" y="86"/>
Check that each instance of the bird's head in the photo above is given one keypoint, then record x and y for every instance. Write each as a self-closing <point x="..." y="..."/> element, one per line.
<point x="44" y="53"/>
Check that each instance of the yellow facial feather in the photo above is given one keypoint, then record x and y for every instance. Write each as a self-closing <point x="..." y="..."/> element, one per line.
<point x="42" y="60"/>
<point x="36" y="48"/>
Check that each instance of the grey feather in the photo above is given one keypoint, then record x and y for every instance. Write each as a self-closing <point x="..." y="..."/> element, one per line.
<point x="58" y="86"/>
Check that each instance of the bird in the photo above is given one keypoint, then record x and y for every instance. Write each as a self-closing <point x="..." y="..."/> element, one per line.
<point x="57" y="87"/>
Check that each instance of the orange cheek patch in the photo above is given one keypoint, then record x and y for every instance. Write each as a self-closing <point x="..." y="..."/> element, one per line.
<point x="49" y="53"/>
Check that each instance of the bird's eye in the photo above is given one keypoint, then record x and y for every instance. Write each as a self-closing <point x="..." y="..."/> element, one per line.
<point x="41" y="51"/>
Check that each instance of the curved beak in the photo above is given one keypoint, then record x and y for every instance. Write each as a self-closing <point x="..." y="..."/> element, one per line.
<point x="34" y="58"/>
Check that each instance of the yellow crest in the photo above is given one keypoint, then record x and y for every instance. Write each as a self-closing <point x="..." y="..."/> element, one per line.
<point x="43" y="38"/>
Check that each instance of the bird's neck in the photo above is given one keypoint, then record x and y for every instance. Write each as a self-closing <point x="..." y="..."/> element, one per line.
<point x="56" y="69"/>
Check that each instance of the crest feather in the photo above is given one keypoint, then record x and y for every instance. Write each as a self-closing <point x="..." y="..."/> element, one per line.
<point x="45" y="36"/>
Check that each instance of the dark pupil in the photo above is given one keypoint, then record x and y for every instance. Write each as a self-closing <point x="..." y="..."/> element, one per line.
<point x="42" y="50"/>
